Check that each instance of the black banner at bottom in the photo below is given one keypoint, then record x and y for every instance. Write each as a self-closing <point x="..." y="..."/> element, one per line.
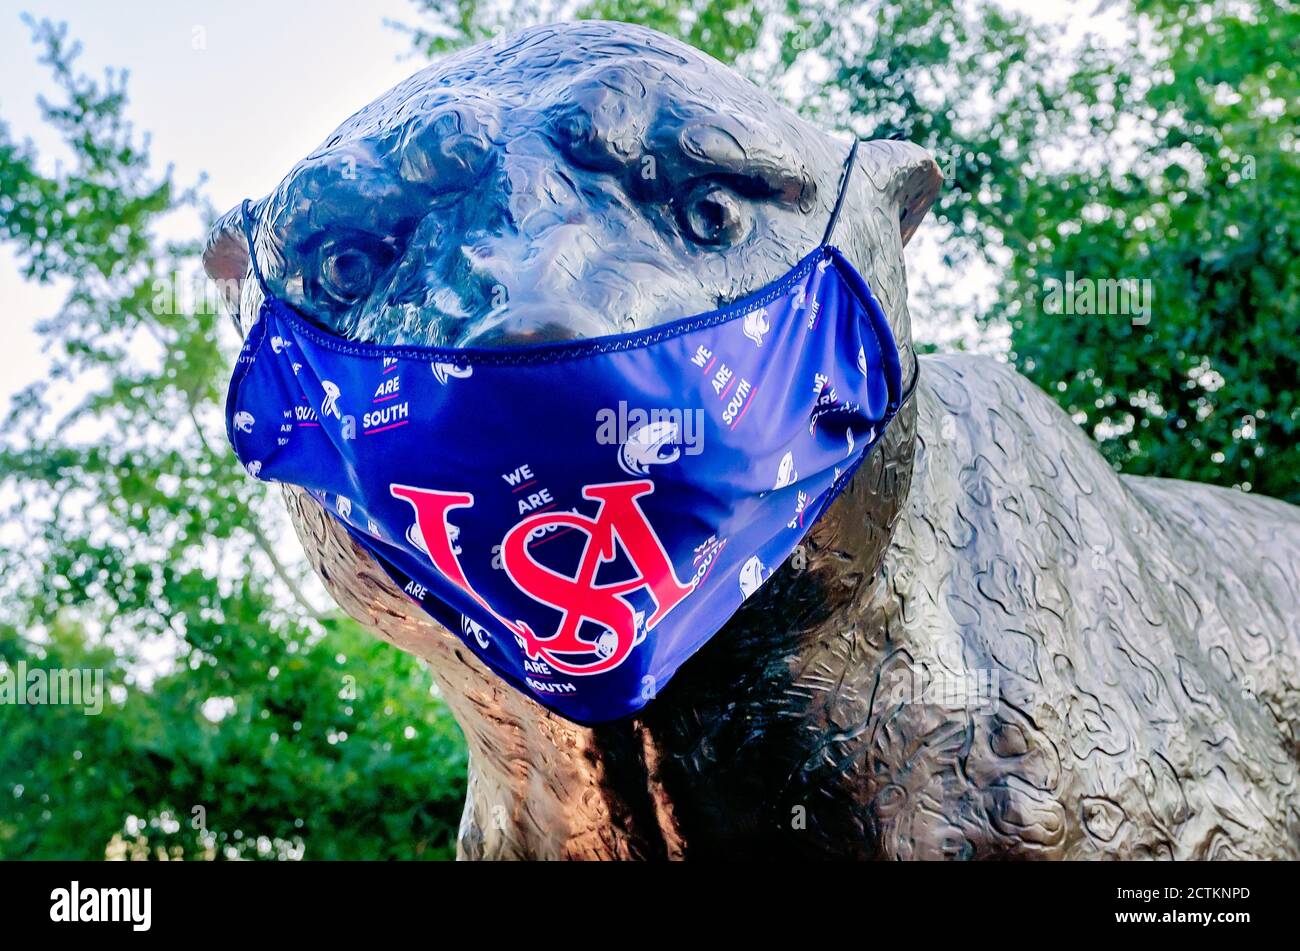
<point x="1027" y="902"/>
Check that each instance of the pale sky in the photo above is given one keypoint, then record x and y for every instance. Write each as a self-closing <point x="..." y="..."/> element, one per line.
<point x="238" y="89"/>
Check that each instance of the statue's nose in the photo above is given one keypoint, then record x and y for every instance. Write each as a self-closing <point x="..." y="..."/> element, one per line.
<point x="538" y="280"/>
<point x="537" y="320"/>
<point x="529" y="241"/>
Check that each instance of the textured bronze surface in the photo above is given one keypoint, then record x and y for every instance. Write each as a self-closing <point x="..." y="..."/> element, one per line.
<point x="1131" y="643"/>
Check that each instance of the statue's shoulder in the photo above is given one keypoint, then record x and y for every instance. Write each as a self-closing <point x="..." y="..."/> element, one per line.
<point x="980" y="391"/>
<point x="985" y="432"/>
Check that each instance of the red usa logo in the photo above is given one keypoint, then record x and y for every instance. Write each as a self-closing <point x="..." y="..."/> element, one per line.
<point x="619" y="524"/>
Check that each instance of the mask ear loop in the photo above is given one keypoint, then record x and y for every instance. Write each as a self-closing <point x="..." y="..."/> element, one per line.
<point x="839" y="199"/>
<point x="247" y="218"/>
<point x="826" y="239"/>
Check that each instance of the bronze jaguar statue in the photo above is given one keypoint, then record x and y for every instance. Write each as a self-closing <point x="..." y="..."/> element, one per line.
<point x="992" y="645"/>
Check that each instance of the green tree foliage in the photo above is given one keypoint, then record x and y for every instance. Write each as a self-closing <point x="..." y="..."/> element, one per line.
<point x="1169" y="158"/>
<point x="1205" y="205"/>
<point x="244" y="722"/>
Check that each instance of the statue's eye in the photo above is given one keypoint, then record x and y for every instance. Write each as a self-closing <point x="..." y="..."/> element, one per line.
<point x="347" y="268"/>
<point x="712" y="214"/>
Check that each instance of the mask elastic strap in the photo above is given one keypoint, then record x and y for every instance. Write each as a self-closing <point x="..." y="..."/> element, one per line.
<point x="839" y="199"/>
<point x="247" y="218"/>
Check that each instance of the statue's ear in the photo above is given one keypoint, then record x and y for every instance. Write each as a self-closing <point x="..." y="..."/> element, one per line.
<point x="907" y="175"/>
<point x="225" y="258"/>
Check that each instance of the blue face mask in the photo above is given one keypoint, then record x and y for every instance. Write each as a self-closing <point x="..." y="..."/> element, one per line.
<point x="584" y="515"/>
